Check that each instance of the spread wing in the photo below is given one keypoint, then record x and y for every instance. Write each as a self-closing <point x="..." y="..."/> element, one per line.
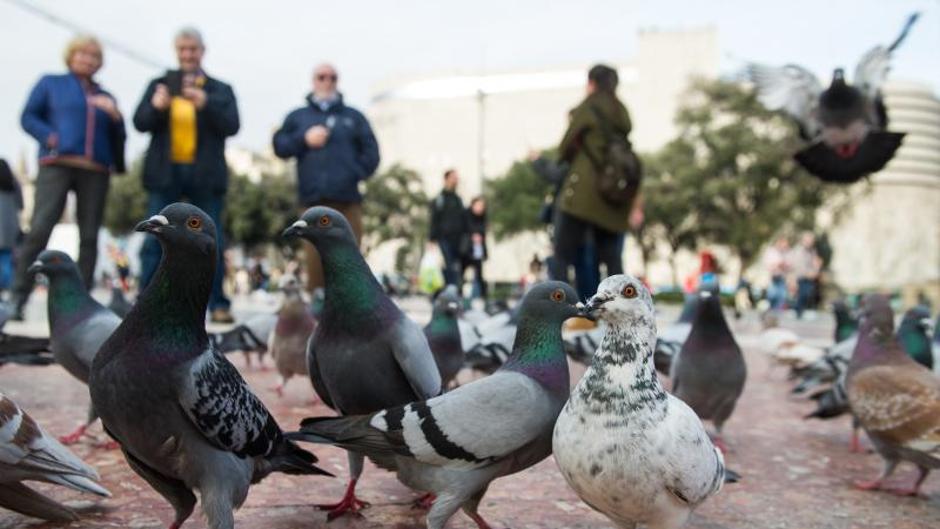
<point x="792" y="89"/>
<point x="220" y="404"/>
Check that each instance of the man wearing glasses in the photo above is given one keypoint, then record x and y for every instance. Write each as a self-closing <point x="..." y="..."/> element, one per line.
<point x="335" y="150"/>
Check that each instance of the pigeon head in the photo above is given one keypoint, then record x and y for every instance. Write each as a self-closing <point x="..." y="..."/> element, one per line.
<point x="447" y="302"/>
<point x="321" y="226"/>
<point x="550" y="301"/>
<point x="182" y="226"/>
<point x="877" y="318"/>
<point x="621" y="298"/>
<point x="289" y="284"/>
<point x="52" y="264"/>
<point x="913" y="335"/>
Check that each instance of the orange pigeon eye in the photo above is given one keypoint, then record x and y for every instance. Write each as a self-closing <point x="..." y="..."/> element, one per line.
<point x="558" y="296"/>
<point x="324" y="221"/>
<point x="194" y="223"/>
<point x="629" y="291"/>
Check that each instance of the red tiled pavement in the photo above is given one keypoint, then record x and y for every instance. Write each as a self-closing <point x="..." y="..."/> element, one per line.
<point x="796" y="473"/>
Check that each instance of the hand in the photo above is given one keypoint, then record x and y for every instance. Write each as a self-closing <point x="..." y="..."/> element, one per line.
<point x="106" y="104"/>
<point x="196" y="95"/>
<point x="316" y="136"/>
<point x="161" y="97"/>
<point x="476" y="238"/>
<point x="636" y="218"/>
<point x="533" y="155"/>
<point x="52" y="141"/>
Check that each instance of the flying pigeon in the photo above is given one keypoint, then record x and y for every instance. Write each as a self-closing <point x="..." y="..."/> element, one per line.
<point x="896" y="400"/>
<point x="294" y="327"/>
<point x="443" y="334"/>
<point x="366" y="354"/>
<point x="454" y="445"/>
<point x="28" y="453"/>
<point x="78" y="324"/>
<point x="709" y="372"/>
<point x="182" y="413"/>
<point x="630" y="450"/>
<point x="844" y="124"/>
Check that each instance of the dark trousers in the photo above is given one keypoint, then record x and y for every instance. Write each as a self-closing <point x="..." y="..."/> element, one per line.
<point x="805" y="294"/>
<point x="573" y="246"/>
<point x="479" y="284"/>
<point x="452" y="265"/>
<point x="185" y="183"/>
<point x="53" y="184"/>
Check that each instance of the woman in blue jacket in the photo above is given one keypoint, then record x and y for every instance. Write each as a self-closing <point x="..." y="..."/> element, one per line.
<point x="81" y="140"/>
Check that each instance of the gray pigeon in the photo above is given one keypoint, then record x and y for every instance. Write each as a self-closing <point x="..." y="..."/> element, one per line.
<point x="78" y="324"/>
<point x="443" y="334"/>
<point x="709" y="372"/>
<point x="291" y="333"/>
<point x="365" y="355"/>
<point x="28" y="453"/>
<point x="454" y="445"/>
<point x="629" y="449"/>
<point x="184" y="416"/>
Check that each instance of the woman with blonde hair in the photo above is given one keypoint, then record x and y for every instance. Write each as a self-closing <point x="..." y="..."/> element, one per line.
<point x="80" y="132"/>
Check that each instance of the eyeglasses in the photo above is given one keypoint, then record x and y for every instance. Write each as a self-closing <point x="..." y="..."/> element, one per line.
<point x="326" y="77"/>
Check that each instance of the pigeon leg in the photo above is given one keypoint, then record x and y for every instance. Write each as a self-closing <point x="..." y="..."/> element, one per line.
<point x="263" y="366"/>
<point x="74" y="437"/>
<point x="247" y="358"/>
<point x="915" y="490"/>
<point x="279" y="388"/>
<point x="855" y="446"/>
<point x="349" y="504"/>
<point x="424" y="502"/>
<point x="481" y="523"/>
<point x="878" y="483"/>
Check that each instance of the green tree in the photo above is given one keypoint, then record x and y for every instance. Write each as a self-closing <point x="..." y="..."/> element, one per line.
<point x="256" y="213"/>
<point x="515" y="200"/>
<point x="396" y="208"/>
<point x="126" y="204"/>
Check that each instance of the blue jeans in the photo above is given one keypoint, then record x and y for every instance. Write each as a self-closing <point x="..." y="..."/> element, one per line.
<point x="6" y="268"/>
<point x="777" y="292"/>
<point x="452" y="266"/>
<point x="805" y="294"/>
<point x="185" y="183"/>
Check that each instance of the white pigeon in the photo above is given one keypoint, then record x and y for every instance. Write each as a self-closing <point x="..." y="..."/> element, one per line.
<point x="629" y="449"/>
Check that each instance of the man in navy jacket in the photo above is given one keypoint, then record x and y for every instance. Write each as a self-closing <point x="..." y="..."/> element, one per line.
<point x="189" y="115"/>
<point x="335" y="150"/>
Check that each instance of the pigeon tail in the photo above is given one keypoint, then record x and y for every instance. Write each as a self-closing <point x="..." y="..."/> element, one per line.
<point x="353" y="433"/>
<point x="79" y="483"/>
<point x="904" y="31"/>
<point x="291" y="459"/>
<point x="871" y="155"/>
<point x="24" y="500"/>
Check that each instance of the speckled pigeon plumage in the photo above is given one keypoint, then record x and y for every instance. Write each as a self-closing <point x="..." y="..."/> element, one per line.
<point x="630" y="450"/>
<point x="896" y="400"/>
<point x="454" y="445"/>
<point x="185" y="418"/>
<point x="292" y="331"/>
<point x="78" y="324"/>
<point x="443" y="334"/>
<point x="366" y="354"/>
<point x="28" y="453"/>
<point x="709" y="372"/>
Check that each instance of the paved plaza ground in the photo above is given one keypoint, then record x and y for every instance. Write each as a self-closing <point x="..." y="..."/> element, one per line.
<point x="796" y="473"/>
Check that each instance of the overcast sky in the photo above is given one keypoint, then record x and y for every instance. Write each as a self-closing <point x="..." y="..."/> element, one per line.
<point x="266" y="49"/>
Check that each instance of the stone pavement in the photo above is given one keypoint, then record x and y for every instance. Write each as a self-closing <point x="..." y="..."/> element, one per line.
<point x="796" y="474"/>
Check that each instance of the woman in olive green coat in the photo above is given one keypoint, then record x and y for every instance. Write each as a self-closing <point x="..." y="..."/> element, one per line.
<point x="583" y="217"/>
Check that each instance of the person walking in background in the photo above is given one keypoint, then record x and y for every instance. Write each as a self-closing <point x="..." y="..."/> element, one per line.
<point x="335" y="150"/>
<point x="777" y="260"/>
<point x="81" y="135"/>
<point x="583" y="213"/>
<point x="449" y="225"/>
<point x="474" y="248"/>
<point x="189" y="115"/>
<point x="11" y="202"/>
<point x="805" y="265"/>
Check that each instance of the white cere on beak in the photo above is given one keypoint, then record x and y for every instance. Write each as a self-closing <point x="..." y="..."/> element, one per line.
<point x="706" y="294"/>
<point x="579" y="306"/>
<point x="37" y="262"/>
<point x="160" y="219"/>
<point x="299" y="224"/>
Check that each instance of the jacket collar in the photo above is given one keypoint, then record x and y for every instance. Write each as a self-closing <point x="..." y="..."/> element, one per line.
<point x="337" y="102"/>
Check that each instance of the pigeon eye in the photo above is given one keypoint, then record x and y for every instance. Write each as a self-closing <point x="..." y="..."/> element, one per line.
<point x="324" y="221"/>
<point x="629" y="291"/>
<point x="194" y="223"/>
<point x="558" y="296"/>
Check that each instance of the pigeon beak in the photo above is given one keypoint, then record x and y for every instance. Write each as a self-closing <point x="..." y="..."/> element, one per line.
<point x="589" y="310"/>
<point x="154" y="224"/>
<point x="453" y="306"/>
<point x="34" y="268"/>
<point x="295" y="230"/>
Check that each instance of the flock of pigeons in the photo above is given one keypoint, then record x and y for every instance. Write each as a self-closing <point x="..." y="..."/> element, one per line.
<point x="186" y="421"/>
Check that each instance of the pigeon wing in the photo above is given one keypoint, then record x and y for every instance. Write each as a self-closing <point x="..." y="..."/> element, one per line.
<point x="220" y="404"/>
<point x="792" y="89"/>
<point x="413" y="354"/>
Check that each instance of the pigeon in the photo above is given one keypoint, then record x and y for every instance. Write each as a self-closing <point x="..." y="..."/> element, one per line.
<point x="25" y="350"/>
<point x="28" y="453"/>
<point x="846" y="322"/>
<point x="913" y="334"/>
<point x="443" y="335"/>
<point x="182" y="413"/>
<point x="119" y="304"/>
<point x="294" y="327"/>
<point x="629" y="449"/>
<point x="845" y="124"/>
<point x="709" y="372"/>
<point x="454" y="445"/>
<point x="366" y="354"/>
<point x="78" y="324"/>
<point x="896" y="400"/>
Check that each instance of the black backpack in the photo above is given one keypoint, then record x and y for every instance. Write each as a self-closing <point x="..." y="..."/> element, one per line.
<point x="619" y="172"/>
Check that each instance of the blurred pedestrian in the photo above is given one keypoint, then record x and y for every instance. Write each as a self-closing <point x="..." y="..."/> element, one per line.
<point x="584" y="213"/>
<point x="335" y="151"/>
<point x="11" y="202"/>
<point x="449" y="225"/>
<point x="189" y="115"/>
<point x="80" y="132"/>
<point x="805" y="265"/>
<point x="777" y="261"/>
<point x="474" y="248"/>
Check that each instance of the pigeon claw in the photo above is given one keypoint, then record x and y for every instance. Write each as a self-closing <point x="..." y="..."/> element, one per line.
<point x="424" y="502"/>
<point x="73" y="437"/>
<point x="868" y="485"/>
<point x="348" y="505"/>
